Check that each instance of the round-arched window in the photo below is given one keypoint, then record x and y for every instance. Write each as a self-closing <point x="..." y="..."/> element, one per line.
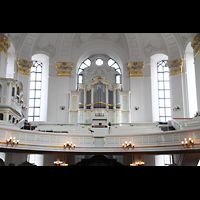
<point x="99" y="62"/>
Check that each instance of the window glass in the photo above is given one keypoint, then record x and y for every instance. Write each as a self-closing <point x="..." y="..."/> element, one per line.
<point x="35" y="91"/>
<point x="163" y="91"/>
<point x="99" y="61"/>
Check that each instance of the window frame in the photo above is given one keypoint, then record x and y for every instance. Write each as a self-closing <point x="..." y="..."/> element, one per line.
<point x="35" y="91"/>
<point x="162" y="91"/>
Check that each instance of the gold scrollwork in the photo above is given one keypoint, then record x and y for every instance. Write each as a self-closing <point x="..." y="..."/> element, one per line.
<point x="24" y="66"/>
<point x="135" y="68"/>
<point x="175" y="66"/>
<point x="64" y="68"/>
<point x="99" y="102"/>
<point x="4" y="43"/>
<point x="195" y="43"/>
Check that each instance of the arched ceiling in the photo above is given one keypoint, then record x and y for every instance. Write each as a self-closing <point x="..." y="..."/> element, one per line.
<point x="76" y="46"/>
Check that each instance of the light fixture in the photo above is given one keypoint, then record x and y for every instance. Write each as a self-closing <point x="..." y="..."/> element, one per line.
<point x="187" y="142"/>
<point x="69" y="145"/>
<point x="136" y="108"/>
<point x="59" y="163"/>
<point x="137" y="164"/>
<point x="12" y="141"/>
<point x="62" y="107"/>
<point x="24" y="107"/>
<point x="175" y="108"/>
<point x="127" y="145"/>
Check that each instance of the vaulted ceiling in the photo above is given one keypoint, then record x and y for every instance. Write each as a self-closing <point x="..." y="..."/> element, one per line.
<point x="121" y="46"/>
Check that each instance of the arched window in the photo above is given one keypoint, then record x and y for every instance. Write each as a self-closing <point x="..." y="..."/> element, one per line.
<point x="114" y="64"/>
<point x="35" y="91"/>
<point x="99" y="62"/>
<point x="164" y="91"/>
<point x="86" y="63"/>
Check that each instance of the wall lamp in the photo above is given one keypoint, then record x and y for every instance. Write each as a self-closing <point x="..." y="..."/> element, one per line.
<point x="62" y="107"/>
<point x="69" y="145"/>
<point x="187" y="142"/>
<point x="127" y="145"/>
<point x="12" y="141"/>
<point x="175" y="108"/>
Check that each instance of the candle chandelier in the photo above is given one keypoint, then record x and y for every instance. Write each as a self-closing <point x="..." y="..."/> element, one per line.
<point x="188" y="142"/>
<point x="127" y="145"/>
<point x="137" y="164"/>
<point x="12" y="141"/>
<point x="69" y="145"/>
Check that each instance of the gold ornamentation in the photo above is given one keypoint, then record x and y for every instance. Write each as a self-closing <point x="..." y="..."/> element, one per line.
<point x="24" y="66"/>
<point x="195" y="43"/>
<point x="135" y="68"/>
<point x="98" y="79"/>
<point x="175" y="66"/>
<point x="4" y="43"/>
<point x="64" y="68"/>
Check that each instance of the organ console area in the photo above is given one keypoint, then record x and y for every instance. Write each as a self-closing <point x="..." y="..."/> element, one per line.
<point x="99" y="103"/>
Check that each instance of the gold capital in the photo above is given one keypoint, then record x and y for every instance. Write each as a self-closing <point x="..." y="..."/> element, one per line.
<point x="24" y="66"/>
<point x="175" y="66"/>
<point x="64" y="68"/>
<point x="195" y="44"/>
<point x="135" y="68"/>
<point x="4" y="43"/>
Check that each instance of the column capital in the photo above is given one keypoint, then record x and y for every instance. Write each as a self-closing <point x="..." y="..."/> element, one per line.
<point x="4" y="43"/>
<point x="64" y="68"/>
<point x="175" y="66"/>
<point x="195" y="44"/>
<point x="135" y="68"/>
<point x="24" y="66"/>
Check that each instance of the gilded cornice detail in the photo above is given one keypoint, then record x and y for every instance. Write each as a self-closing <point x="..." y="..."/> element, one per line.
<point x="135" y="68"/>
<point x="4" y="43"/>
<point x="195" y="43"/>
<point x="98" y="79"/>
<point x="24" y="66"/>
<point x="175" y="66"/>
<point x="64" y="68"/>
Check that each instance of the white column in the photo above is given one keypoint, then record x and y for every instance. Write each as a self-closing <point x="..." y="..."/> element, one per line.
<point x="4" y="45"/>
<point x="92" y="98"/>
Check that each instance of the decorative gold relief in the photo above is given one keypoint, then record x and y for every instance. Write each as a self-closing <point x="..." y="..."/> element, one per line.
<point x="135" y="68"/>
<point x="64" y="68"/>
<point x="175" y="66"/>
<point x="24" y="66"/>
<point x="195" y="43"/>
<point x="4" y="43"/>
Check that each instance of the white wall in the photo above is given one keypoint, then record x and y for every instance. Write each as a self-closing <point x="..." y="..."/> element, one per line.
<point x="57" y="97"/>
<point x="140" y="88"/>
<point x="10" y="62"/>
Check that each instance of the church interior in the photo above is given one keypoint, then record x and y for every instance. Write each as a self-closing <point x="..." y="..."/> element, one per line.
<point x="99" y="99"/>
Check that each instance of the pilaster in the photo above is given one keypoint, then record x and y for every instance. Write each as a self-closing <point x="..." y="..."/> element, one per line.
<point x="178" y="88"/>
<point x="195" y="43"/>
